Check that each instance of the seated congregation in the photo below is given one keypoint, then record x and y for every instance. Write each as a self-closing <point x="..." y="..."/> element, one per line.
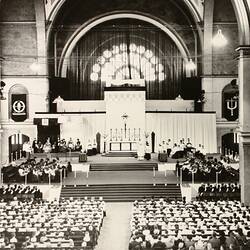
<point x="63" y="224"/>
<point x="20" y="192"/>
<point x="160" y="224"/>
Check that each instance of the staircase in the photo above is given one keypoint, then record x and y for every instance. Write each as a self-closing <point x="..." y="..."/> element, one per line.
<point x="143" y="166"/>
<point x="122" y="192"/>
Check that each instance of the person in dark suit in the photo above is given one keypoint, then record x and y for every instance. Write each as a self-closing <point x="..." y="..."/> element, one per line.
<point x="214" y="241"/>
<point x="69" y="167"/>
<point x="247" y="243"/>
<point x="159" y="245"/>
<point x="201" y="191"/>
<point x="177" y="168"/>
<point x="133" y="244"/>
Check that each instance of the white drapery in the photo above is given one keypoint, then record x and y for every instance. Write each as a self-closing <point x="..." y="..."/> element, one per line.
<point x="83" y="126"/>
<point x="200" y="128"/>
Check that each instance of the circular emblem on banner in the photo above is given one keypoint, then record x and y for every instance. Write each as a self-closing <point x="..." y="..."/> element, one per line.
<point x="18" y="106"/>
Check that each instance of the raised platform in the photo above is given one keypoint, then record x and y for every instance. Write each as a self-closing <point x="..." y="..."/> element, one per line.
<point x="120" y="154"/>
<point x="120" y="177"/>
<point x="137" y="166"/>
<point x="122" y="192"/>
<point x="73" y="157"/>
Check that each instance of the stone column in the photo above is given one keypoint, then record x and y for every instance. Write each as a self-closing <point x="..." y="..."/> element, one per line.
<point x="244" y="121"/>
<point x="1" y="130"/>
<point x="207" y="79"/>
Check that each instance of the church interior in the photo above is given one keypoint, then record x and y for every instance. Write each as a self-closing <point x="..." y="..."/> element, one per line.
<point x="125" y="124"/>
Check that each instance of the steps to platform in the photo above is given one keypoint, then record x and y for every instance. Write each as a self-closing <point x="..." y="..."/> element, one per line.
<point x="120" y="154"/>
<point x="140" y="166"/>
<point x="122" y="192"/>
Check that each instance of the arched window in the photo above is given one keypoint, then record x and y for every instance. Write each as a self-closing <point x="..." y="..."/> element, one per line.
<point x="230" y="101"/>
<point x="18" y="103"/>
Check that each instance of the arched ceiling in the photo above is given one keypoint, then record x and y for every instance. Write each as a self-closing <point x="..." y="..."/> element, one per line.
<point x="242" y="11"/>
<point x="53" y="6"/>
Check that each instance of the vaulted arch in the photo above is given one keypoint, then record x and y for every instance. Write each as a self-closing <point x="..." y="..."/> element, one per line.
<point x="83" y="29"/>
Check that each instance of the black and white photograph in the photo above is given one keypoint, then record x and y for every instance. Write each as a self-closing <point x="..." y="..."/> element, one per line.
<point x="125" y="124"/>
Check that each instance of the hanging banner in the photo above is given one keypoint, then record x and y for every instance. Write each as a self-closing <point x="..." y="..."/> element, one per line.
<point x="231" y="107"/>
<point x="18" y="107"/>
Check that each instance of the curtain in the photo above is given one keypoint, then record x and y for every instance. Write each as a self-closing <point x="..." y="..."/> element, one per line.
<point x="125" y="49"/>
<point x="200" y="128"/>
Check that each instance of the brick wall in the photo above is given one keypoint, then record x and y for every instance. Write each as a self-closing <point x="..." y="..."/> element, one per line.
<point x="18" y="38"/>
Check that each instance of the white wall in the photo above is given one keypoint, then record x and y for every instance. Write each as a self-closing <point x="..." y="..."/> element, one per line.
<point x="83" y="106"/>
<point x="38" y="90"/>
<point x="213" y="93"/>
<point x="151" y="105"/>
<point x="170" y="105"/>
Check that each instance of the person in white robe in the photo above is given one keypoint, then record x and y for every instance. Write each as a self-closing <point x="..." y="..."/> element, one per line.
<point x="140" y="151"/>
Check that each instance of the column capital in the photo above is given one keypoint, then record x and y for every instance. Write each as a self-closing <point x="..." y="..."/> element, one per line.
<point x="245" y="137"/>
<point x="243" y="50"/>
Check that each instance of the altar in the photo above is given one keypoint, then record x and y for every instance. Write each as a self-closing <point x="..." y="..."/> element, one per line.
<point x="122" y="146"/>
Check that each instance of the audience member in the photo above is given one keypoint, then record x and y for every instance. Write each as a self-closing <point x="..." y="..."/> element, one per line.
<point x="194" y="225"/>
<point x="42" y="224"/>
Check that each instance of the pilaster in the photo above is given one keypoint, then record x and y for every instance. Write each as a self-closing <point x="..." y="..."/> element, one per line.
<point x="244" y="121"/>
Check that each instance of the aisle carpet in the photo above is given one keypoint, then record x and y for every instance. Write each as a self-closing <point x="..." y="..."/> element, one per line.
<point x="115" y="232"/>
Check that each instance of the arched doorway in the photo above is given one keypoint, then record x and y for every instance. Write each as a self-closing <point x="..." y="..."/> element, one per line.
<point x="230" y="144"/>
<point x="15" y="145"/>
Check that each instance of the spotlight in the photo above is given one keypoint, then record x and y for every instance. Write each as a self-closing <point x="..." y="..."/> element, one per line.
<point x="2" y="85"/>
<point x="35" y="67"/>
<point x="219" y="39"/>
<point x="190" y="65"/>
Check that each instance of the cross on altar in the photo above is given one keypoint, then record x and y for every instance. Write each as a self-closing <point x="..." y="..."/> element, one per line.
<point x="125" y="117"/>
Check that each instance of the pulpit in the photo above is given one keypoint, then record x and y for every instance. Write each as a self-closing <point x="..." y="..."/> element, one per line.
<point x="82" y="157"/>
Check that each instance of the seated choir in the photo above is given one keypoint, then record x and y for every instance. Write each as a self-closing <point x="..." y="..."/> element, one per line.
<point x="91" y="148"/>
<point x="219" y="192"/>
<point x="19" y="191"/>
<point x="36" y="171"/>
<point x="159" y="224"/>
<point x="48" y="225"/>
<point x="231" y="158"/>
<point x="205" y="170"/>
<point x="60" y="146"/>
<point x="181" y="149"/>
